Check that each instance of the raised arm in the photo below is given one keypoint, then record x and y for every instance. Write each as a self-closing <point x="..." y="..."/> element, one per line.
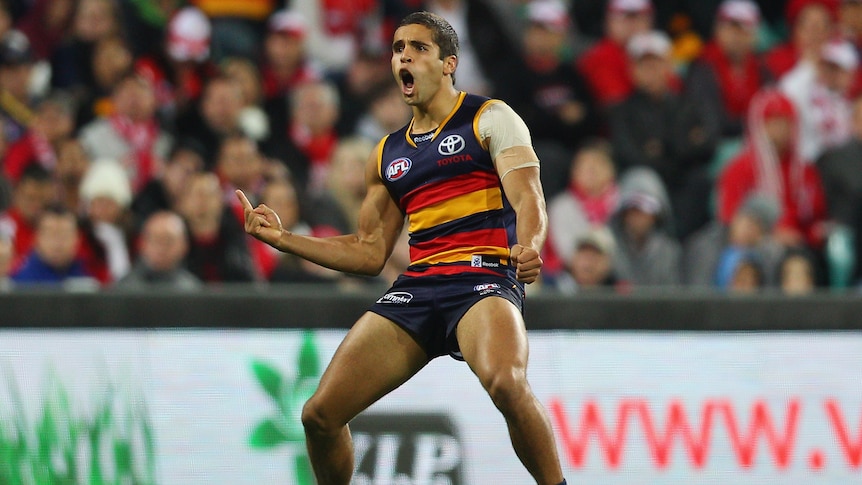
<point x="365" y="252"/>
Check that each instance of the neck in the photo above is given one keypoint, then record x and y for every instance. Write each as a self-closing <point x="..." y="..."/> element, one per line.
<point x="429" y="116"/>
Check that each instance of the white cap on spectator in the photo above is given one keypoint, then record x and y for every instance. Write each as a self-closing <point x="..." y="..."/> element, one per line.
<point x="643" y="202"/>
<point x="599" y="239"/>
<point x="654" y="43"/>
<point x="841" y="53"/>
<point x="107" y="178"/>
<point x="189" y="35"/>
<point x="630" y="6"/>
<point x="550" y="14"/>
<point x="288" y="22"/>
<point x="744" y="12"/>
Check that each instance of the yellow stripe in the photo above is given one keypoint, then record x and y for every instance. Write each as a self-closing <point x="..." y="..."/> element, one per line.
<point x="379" y="151"/>
<point x="465" y="254"/>
<point x="456" y="208"/>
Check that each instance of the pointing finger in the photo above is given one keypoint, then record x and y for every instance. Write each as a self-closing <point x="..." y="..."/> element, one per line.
<point x="246" y="205"/>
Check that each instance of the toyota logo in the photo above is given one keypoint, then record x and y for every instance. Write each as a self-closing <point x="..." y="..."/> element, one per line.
<point x="451" y="145"/>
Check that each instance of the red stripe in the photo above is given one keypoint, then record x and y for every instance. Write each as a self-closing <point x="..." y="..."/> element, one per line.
<point x="482" y="237"/>
<point x="450" y="269"/>
<point x="433" y="193"/>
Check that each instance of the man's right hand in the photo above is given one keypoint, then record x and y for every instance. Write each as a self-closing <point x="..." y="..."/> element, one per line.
<point x="261" y="221"/>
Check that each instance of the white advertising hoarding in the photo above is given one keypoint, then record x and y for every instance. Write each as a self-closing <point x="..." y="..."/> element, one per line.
<point x="195" y="407"/>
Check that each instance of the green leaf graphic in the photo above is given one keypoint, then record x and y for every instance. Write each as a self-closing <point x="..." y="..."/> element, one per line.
<point x="268" y="377"/>
<point x="309" y="360"/>
<point x="267" y="434"/>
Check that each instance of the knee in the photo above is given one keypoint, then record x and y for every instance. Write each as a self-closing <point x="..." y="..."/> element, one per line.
<point x="507" y="388"/>
<point x="317" y="421"/>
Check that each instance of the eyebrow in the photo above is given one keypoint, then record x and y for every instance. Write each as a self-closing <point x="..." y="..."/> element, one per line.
<point x="414" y="43"/>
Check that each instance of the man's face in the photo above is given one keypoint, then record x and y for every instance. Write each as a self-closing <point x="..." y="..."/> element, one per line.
<point x="163" y="243"/>
<point x="15" y="78"/>
<point x="31" y="197"/>
<point x="240" y="163"/>
<point x="416" y="63"/>
<point x="736" y="39"/>
<point x="590" y="266"/>
<point x="834" y="77"/>
<point x="621" y="26"/>
<point x="651" y="73"/>
<point x="221" y="104"/>
<point x="57" y="239"/>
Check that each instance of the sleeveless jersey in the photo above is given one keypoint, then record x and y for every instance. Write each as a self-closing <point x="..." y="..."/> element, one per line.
<point x="459" y="220"/>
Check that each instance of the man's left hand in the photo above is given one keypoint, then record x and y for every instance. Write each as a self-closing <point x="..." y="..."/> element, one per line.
<point x="527" y="263"/>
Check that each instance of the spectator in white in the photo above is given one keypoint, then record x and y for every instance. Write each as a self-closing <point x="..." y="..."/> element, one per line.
<point x="162" y="249"/>
<point x="820" y="93"/>
<point x="131" y="134"/>
<point x="106" y="195"/>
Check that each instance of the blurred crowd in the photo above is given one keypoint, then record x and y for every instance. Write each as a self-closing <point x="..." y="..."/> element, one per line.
<point x="696" y="143"/>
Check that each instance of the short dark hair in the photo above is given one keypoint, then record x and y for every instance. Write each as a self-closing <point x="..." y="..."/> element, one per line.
<point x="443" y="34"/>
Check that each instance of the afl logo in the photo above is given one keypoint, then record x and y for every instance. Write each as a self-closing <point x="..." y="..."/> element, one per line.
<point x="451" y="145"/>
<point x="398" y="168"/>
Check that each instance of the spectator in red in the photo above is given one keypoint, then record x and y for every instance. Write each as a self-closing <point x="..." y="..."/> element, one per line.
<point x="30" y="196"/>
<point x="183" y="64"/>
<point x="338" y="30"/>
<point x="286" y="63"/>
<point x="606" y="64"/>
<point x="812" y="23"/>
<point x="771" y="164"/>
<point x="52" y="125"/>
<point x="729" y="71"/>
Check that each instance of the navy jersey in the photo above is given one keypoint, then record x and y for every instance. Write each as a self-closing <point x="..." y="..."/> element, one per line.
<point x="459" y="219"/>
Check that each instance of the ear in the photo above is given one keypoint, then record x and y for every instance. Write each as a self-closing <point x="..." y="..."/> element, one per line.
<point x="450" y="64"/>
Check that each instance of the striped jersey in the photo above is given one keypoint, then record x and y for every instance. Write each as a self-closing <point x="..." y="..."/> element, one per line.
<point x="459" y="220"/>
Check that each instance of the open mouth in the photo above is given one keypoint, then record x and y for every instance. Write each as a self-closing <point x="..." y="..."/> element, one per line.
<point x="406" y="82"/>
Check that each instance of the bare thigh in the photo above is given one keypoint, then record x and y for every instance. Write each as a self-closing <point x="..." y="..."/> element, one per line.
<point x="374" y="358"/>
<point x="492" y="337"/>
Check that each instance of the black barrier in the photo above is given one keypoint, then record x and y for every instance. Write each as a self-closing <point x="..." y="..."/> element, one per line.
<point x="290" y="306"/>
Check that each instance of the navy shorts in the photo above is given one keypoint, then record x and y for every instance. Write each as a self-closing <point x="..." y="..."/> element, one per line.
<point x="430" y="307"/>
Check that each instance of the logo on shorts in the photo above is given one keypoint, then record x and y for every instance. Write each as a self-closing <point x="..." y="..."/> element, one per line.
<point x="451" y="145"/>
<point x="486" y="288"/>
<point x="398" y="168"/>
<point x="396" y="297"/>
